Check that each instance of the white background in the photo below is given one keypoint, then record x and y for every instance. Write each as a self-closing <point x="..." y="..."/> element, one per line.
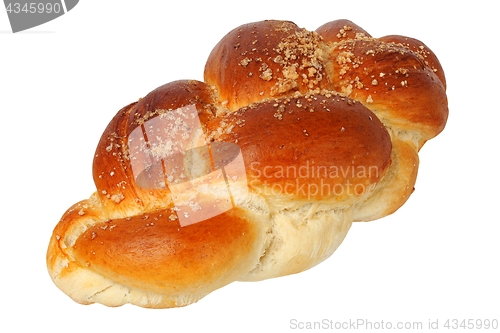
<point x="436" y="258"/>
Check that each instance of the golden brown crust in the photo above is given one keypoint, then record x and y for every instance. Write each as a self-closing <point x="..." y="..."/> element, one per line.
<point x="339" y="30"/>
<point x="150" y="259"/>
<point x="422" y="50"/>
<point x="314" y="147"/>
<point x="150" y="251"/>
<point x="402" y="87"/>
<point x="114" y="178"/>
<point x="293" y="136"/>
<point x="172" y="96"/>
<point x="262" y="60"/>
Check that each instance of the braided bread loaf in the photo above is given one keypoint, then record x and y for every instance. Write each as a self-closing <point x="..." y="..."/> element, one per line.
<point x="258" y="172"/>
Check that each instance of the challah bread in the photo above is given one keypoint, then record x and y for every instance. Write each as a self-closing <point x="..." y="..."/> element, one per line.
<point x="258" y="172"/>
